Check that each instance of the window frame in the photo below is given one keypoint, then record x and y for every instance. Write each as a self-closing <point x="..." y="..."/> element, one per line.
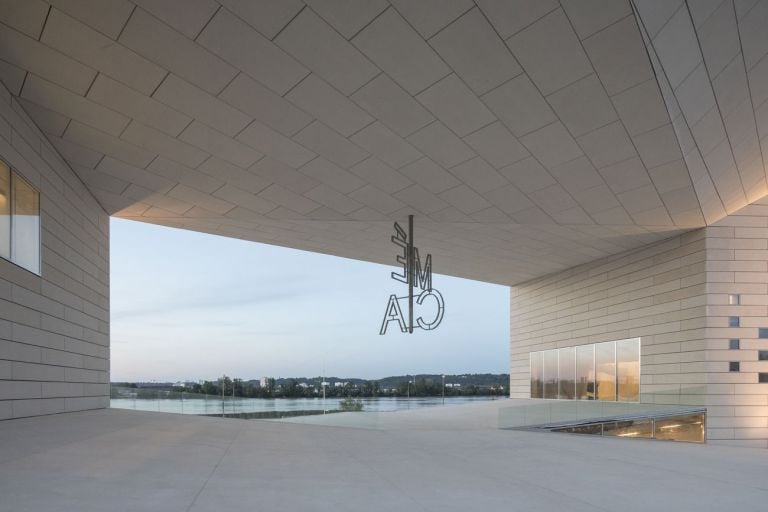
<point x="16" y="175"/>
<point x="536" y="358"/>
<point x="8" y="211"/>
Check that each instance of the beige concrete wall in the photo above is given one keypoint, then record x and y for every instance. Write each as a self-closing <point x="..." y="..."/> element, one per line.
<point x="54" y="328"/>
<point x="674" y="295"/>
<point x="656" y="293"/>
<point x="737" y="263"/>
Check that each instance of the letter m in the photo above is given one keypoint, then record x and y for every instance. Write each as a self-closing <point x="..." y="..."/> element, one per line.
<point x="422" y="279"/>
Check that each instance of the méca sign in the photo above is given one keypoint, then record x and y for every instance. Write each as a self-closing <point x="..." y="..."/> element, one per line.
<point x="415" y="276"/>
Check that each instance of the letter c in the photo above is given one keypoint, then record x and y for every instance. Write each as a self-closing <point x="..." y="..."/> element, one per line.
<point x="440" y="309"/>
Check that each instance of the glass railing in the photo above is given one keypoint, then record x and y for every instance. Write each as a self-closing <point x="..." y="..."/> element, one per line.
<point x="162" y="400"/>
<point x="179" y="402"/>
<point x="632" y="420"/>
<point x="690" y="428"/>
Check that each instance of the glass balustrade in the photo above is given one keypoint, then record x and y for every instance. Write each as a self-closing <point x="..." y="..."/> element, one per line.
<point x="690" y="428"/>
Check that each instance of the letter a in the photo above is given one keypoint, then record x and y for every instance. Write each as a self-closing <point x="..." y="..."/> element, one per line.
<point x="392" y="314"/>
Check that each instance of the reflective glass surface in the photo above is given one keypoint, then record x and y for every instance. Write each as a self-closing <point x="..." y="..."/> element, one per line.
<point x="629" y="428"/>
<point x="585" y="372"/>
<point x="537" y="375"/>
<point x="605" y="364"/>
<point x="550" y="374"/>
<point x="628" y="370"/>
<point x="5" y="211"/>
<point x="602" y="371"/>
<point x="593" y="430"/>
<point x="688" y="428"/>
<point x="567" y="366"/>
<point x="25" y="248"/>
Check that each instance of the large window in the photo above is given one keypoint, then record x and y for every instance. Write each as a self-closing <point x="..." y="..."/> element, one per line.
<point x="601" y="371"/>
<point x="19" y="220"/>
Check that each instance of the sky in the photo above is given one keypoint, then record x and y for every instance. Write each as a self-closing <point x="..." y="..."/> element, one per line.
<point x="191" y="306"/>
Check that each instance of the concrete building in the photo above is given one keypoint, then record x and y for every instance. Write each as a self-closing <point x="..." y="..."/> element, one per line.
<point x="603" y="158"/>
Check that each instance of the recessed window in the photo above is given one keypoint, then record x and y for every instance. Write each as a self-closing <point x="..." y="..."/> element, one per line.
<point x="733" y="366"/>
<point x="762" y="332"/>
<point x="734" y="344"/>
<point x="602" y="371"/>
<point x="733" y="321"/>
<point x="734" y="299"/>
<point x="762" y="355"/>
<point x="19" y="220"/>
<point x="762" y="378"/>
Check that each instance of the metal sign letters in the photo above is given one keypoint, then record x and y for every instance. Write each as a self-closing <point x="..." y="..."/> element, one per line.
<point x="413" y="275"/>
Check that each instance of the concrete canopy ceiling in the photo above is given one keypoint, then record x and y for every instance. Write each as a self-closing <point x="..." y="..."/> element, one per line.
<point x="526" y="136"/>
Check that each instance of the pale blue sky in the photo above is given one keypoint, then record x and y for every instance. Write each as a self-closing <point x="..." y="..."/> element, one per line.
<point x="189" y="305"/>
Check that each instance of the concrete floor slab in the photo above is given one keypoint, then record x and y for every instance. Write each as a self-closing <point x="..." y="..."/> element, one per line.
<point x="442" y="459"/>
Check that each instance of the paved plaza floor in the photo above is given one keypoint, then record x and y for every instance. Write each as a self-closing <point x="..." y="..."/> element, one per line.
<point x="443" y="459"/>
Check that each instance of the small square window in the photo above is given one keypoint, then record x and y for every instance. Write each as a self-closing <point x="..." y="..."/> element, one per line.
<point x="762" y="332"/>
<point x="762" y="377"/>
<point x="733" y="366"/>
<point x="733" y="321"/>
<point x="734" y="344"/>
<point x="734" y="299"/>
<point x="762" y="355"/>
